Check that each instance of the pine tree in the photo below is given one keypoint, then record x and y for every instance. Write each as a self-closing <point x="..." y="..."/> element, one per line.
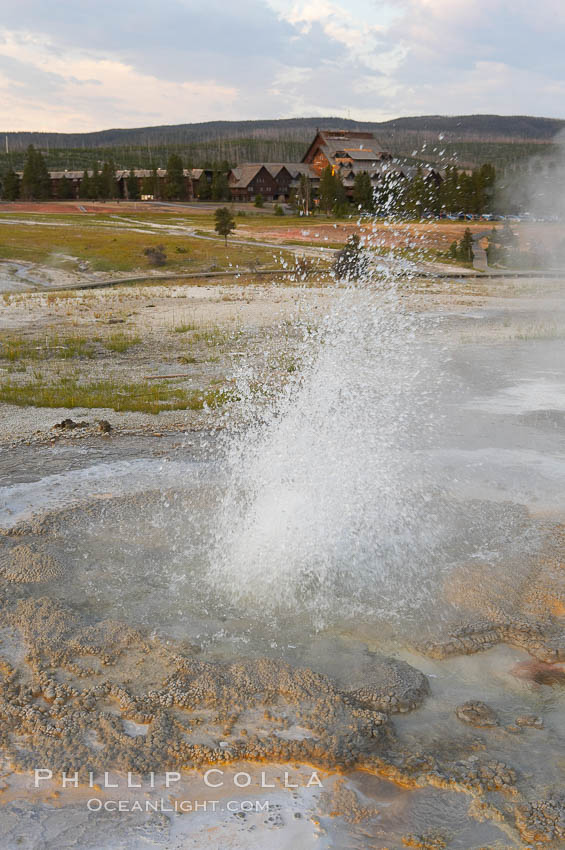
<point x="10" y="186"/>
<point x="176" y="186"/>
<point x="147" y="186"/>
<point x="465" y="250"/>
<point x="43" y="178"/>
<point x="352" y="261"/>
<point x="432" y="195"/>
<point x="466" y="193"/>
<point x="449" y="192"/>
<point x="108" y="187"/>
<point x="95" y="184"/>
<point x="86" y="186"/>
<point x="333" y="197"/>
<point x="132" y="186"/>
<point x="416" y="191"/>
<point x="36" y="183"/>
<point x="225" y="222"/>
<point x="156" y="185"/>
<point x="65" y="191"/>
<point x="488" y="173"/>
<point x="204" y="188"/>
<point x="327" y="189"/>
<point x="363" y="192"/>
<point x="340" y="196"/>
<point x="220" y="190"/>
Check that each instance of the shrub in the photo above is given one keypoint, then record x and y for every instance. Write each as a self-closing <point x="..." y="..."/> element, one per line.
<point x="156" y="255"/>
<point x="304" y="267"/>
<point x="352" y="261"/>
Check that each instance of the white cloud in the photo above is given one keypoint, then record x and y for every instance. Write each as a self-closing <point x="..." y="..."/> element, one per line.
<point x="74" y="66"/>
<point x="91" y="87"/>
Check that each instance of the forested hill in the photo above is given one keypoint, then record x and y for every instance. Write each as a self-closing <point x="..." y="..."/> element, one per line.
<point x="468" y="139"/>
<point x="485" y="127"/>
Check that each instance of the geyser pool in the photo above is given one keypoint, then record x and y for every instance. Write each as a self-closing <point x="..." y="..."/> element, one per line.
<point x="389" y="459"/>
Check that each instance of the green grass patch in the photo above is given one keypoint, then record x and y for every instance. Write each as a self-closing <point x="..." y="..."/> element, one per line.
<point x="13" y="348"/>
<point x="143" y="396"/>
<point x="120" y="342"/>
<point x="112" y="245"/>
<point x="185" y="327"/>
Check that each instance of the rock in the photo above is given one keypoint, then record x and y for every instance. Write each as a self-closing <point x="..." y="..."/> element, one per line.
<point x="477" y="713"/>
<point x="529" y="720"/>
<point x="542" y="642"/>
<point x="25" y="564"/>
<point x="386" y="684"/>
<point x="426" y="841"/>
<point x="70" y="425"/>
<point x="104" y="426"/>
<point x="542" y="821"/>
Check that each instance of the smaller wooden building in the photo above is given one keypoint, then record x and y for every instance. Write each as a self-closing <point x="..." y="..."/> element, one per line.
<point x="248" y="181"/>
<point x="274" y="181"/>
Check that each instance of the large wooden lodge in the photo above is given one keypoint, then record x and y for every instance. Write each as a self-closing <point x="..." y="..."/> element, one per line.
<point x="347" y="152"/>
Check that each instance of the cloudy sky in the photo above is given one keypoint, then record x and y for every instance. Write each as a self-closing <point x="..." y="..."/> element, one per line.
<point x="84" y="65"/>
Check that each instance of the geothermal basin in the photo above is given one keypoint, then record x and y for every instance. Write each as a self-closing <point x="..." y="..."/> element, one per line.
<point x="361" y="579"/>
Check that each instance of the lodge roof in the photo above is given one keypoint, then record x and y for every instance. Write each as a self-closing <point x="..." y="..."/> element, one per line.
<point x="242" y="175"/>
<point x="297" y="168"/>
<point x="148" y="172"/>
<point x="120" y="173"/>
<point x="366" y="155"/>
<point x="333" y="148"/>
<point x="242" y="172"/>
<point x="72" y="175"/>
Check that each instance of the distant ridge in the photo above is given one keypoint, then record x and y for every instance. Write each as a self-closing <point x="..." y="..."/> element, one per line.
<point x="486" y="127"/>
<point x="519" y="128"/>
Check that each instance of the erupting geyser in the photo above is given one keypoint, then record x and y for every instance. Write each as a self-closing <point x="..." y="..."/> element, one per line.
<point x="330" y="506"/>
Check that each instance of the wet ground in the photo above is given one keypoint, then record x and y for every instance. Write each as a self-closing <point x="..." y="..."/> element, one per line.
<point x="441" y="727"/>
